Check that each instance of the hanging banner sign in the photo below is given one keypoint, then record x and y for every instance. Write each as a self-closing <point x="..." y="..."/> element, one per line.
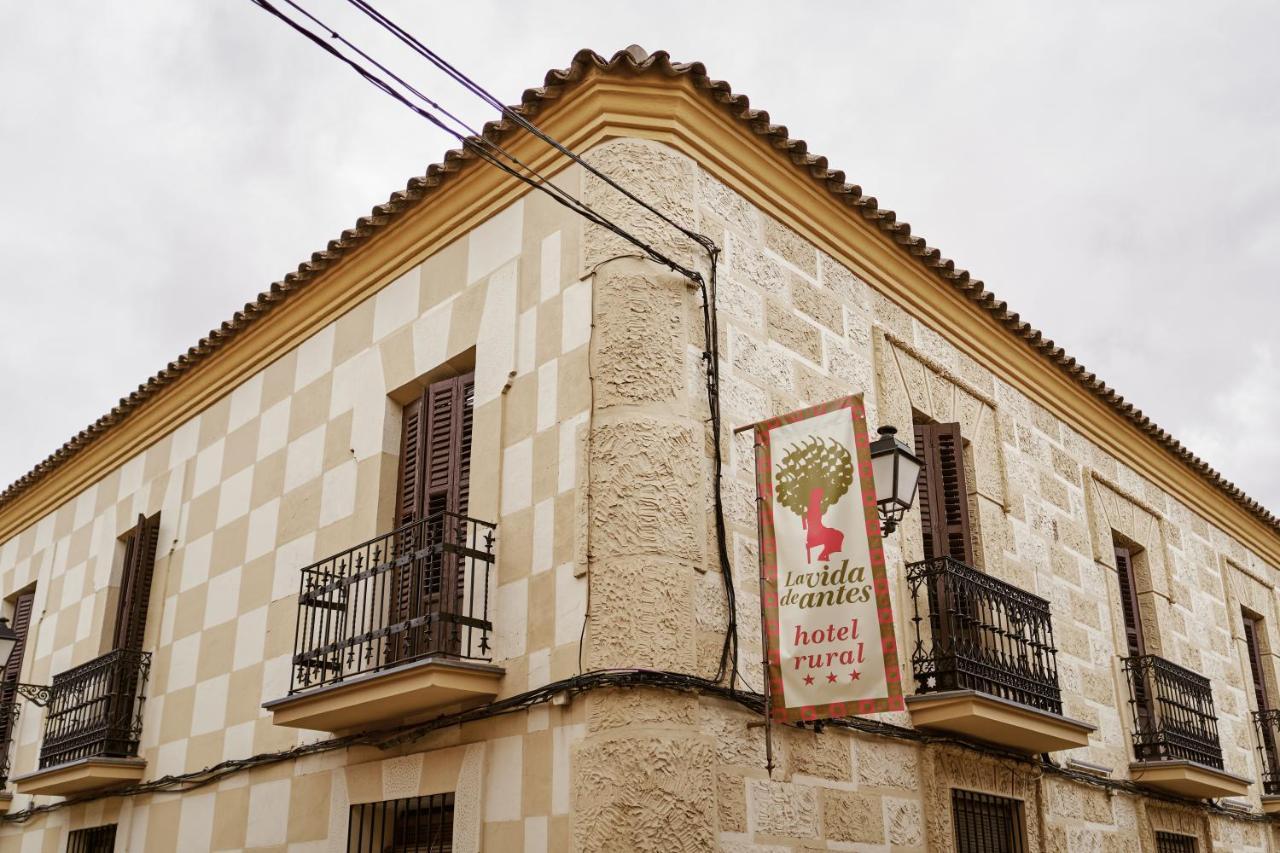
<point x="828" y="618"/>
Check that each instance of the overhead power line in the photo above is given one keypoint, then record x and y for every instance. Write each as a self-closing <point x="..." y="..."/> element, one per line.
<point x="496" y="155"/>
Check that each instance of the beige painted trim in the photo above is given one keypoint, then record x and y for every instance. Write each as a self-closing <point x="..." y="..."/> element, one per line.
<point x="1271" y="805"/>
<point x="674" y="112"/>
<point x="1188" y="779"/>
<point x="88" y="774"/>
<point x="387" y="696"/>
<point x="997" y="721"/>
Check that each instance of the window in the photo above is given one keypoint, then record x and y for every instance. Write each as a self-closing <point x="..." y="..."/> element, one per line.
<point x="1172" y="842"/>
<point x="411" y="825"/>
<point x="1253" y="635"/>
<point x="435" y="451"/>
<point x="99" y="839"/>
<point x="1129" y="606"/>
<point x="943" y="493"/>
<point x="12" y="674"/>
<point x="135" y="583"/>
<point x="986" y="823"/>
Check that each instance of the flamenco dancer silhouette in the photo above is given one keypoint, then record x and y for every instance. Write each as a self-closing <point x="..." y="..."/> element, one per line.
<point x="812" y="477"/>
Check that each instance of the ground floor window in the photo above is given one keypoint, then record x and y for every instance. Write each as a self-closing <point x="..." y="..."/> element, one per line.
<point x="411" y="825"/>
<point x="99" y="839"/>
<point x="1172" y="842"/>
<point x="986" y="823"/>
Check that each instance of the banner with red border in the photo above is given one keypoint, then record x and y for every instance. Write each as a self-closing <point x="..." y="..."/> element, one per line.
<point x="827" y="610"/>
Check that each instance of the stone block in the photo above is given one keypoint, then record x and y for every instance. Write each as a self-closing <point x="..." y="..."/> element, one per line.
<point x="789" y="329"/>
<point x="640" y="339"/>
<point x="852" y="816"/>
<point x="791" y="247"/>
<point x="784" y="809"/>
<point x="642" y="614"/>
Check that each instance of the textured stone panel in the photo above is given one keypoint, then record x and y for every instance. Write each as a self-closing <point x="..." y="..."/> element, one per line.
<point x="782" y="808"/>
<point x="826" y="755"/>
<point x="887" y="765"/>
<point x="642" y="614"/>
<point x="791" y="247"/>
<point x="852" y="816"/>
<point x="646" y="489"/>
<point x="726" y="205"/>
<point x="613" y="709"/>
<point x="787" y="328"/>
<point x="905" y="821"/>
<point x="731" y="798"/>
<point x="650" y="795"/>
<point x="654" y="173"/>
<point x="640" y="339"/>
<point x="749" y="264"/>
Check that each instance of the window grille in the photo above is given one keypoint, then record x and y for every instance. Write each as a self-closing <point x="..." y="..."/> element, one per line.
<point x="1172" y="842"/>
<point x="411" y="825"/>
<point x="986" y="824"/>
<point x="98" y="839"/>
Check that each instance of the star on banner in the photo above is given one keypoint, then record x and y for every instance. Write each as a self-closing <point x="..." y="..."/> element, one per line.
<point x="808" y="679"/>
<point x="831" y="677"/>
<point x="855" y="675"/>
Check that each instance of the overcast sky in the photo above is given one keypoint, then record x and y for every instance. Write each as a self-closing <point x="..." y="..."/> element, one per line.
<point x="1112" y="170"/>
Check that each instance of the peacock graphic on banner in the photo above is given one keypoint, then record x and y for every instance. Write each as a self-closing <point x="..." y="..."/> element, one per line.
<point x="813" y="476"/>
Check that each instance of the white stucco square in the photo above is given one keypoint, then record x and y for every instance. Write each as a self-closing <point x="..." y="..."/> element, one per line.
<point x="222" y="598"/>
<point x="291" y="559"/>
<point x="195" y="826"/>
<point x="251" y="637"/>
<point x="273" y="428"/>
<point x="575" y="329"/>
<point x="544" y="532"/>
<point x="210" y="711"/>
<point x="262" y="529"/>
<point x="569" y="451"/>
<point x="535" y="834"/>
<point x="503" y="776"/>
<point x="267" y="820"/>
<point x="571" y="604"/>
<point x="304" y="459"/>
<point x="208" y="468"/>
<point x="511" y="620"/>
<point x="338" y="493"/>
<point x="86" y="504"/>
<point x="495" y="242"/>
<point x="246" y="402"/>
<point x="549" y="267"/>
<point x="185" y="439"/>
<point x="431" y="338"/>
<point x="527" y="350"/>
<point x="233" y="497"/>
<point x="548" y="394"/>
<point x="396" y="304"/>
<point x="496" y="338"/>
<point x="315" y="357"/>
<point x="196" y="557"/>
<point x="183" y="656"/>
<point x="517" y="476"/>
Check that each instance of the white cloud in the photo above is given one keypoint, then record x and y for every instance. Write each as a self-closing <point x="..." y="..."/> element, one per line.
<point x="1106" y="168"/>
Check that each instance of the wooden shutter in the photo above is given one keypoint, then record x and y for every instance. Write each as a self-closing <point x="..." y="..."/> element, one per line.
<point x="1252" y="631"/>
<point x="135" y="583"/>
<point x="1129" y="607"/>
<point x="22" y="607"/>
<point x="943" y="492"/>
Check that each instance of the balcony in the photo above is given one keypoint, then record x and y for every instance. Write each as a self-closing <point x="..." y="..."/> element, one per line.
<point x="1267" y="725"/>
<point x="394" y="627"/>
<point x="1175" y="731"/>
<point x="92" y="726"/>
<point x="984" y="661"/>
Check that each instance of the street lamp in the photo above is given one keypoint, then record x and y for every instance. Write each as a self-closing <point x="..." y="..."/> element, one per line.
<point x="896" y="471"/>
<point x="37" y="693"/>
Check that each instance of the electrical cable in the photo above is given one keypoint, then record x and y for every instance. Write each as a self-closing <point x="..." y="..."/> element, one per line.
<point x="607" y="679"/>
<point x="476" y="143"/>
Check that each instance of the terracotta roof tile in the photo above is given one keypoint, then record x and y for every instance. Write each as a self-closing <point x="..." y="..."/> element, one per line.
<point x="634" y="60"/>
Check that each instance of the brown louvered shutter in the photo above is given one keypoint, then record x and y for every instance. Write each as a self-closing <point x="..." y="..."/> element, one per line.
<point x="1129" y="607"/>
<point x="434" y="478"/>
<point x="135" y="583"/>
<point x="12" y="674"/>
<point x="943" y="492"/>
<point x="1252" y="632"/>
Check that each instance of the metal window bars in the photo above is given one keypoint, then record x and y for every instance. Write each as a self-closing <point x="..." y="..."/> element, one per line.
<point x="95" y="709"/>
<point x="1173" y="717"/>
<point x="977" y="632"/>
<point x="1172" y="842"/>
<point x="97" y="839"/>
<point x="985" y="823"/>
<point x="421" y="590"/>
<point x="411" y="825"/>
<point x="1267" y="724"/>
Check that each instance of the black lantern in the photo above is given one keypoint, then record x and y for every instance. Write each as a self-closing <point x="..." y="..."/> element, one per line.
<point x="896" y="471"/>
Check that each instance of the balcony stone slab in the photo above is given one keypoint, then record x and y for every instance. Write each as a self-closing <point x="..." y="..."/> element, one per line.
<point x="1188" y="779"/>
<point x="387" y="696"/>
<point x="997" y="721"/>
<point x="1271" y="805"/>
<point x="85" y="774"/>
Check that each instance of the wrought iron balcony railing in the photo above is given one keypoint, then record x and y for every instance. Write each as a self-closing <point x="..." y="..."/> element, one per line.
<point x="95" y="709"/>
<point x="1267" y="724"/>
<point x="976" y="632"/>
<point x="420" y="591"/>
<point x="1173" y="716"/>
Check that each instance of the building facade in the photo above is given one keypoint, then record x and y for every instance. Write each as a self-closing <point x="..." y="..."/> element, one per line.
<point x="420" y="551"/>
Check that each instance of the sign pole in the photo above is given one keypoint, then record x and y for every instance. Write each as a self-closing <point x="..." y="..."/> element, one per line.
<point x="764" y="628"/>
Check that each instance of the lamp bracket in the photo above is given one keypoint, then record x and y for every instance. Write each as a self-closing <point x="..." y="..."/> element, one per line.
<point x="38" y="694"/>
